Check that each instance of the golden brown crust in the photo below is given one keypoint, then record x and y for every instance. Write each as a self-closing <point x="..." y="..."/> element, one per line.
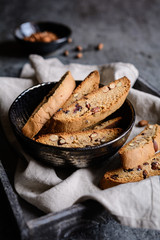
<point x="90" y="84"/>
<point x="92" y="108"/>
<point x="106" y="183"/>
<point x="50" y="104"/>
<point x="111" y="123"/>
<point x="80" y="139"/>
<point x="141" y="148"/>
<point x="149" y="168"/>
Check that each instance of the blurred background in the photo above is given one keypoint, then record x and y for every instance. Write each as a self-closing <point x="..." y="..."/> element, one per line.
<point x="128" y="29"/>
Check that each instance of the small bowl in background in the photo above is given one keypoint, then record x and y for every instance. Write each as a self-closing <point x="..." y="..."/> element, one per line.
<point x="28" y="28"/>
<point x="23" y="107"/>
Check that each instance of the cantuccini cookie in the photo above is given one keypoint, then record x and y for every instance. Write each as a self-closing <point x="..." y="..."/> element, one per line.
<point x="142" y="171"/>
<point x="80" y="139"/>
<point x="49" y="105"/>
<point x="92" y="108"/>
<point x="141" y="147"/>
<point x="88" y="85"/>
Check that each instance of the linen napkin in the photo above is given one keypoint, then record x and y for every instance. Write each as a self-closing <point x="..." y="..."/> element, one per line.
<point x="133" y="204"/>
<point x="51" y="70"/>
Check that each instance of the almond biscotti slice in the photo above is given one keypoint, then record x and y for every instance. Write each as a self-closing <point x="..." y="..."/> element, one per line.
<point x="90" y="84"/>
<point x="49" y="105"/>
<point x="80" y="139"/>
<point x="141" y="147"/>
<point x="92" y="108"/>
<point x="149" y="168"/>
<point x="111" y="123"/>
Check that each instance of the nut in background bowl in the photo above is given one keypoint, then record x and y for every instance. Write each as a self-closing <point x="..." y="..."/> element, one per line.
<point x="27" y="29"/>
<point x="23" y="107"/>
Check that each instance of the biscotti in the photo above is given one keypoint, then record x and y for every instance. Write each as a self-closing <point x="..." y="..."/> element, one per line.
<point x="50" y="104"/>
<point x="112" y="123"/>
<point x="92" y="108"/>
<point x="90" y="84"/>
<point x="80" y="139"/>
<point x="141" y="147"/>
<point x="149" y="168"/>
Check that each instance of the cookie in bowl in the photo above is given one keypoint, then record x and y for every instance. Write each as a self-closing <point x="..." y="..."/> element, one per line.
<point x="80" y="139"/>
<point x="97" y="143"/>
<point x="92" y="108"/>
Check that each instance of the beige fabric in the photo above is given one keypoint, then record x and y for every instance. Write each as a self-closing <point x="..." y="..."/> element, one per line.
<point x="134" y="204"/>
<point x="52" y="69"/>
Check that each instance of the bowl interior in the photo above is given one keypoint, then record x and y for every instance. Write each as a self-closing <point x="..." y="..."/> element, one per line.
<point x="25" y="104"/>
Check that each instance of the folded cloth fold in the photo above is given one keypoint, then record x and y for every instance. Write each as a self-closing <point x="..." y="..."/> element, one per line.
<point x="51" y="190"/>
<point x="51" y="70"/>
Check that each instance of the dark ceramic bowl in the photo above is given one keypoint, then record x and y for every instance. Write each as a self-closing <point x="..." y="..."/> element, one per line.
<point x="26" y="29"/>
<point x="24" y="105"/>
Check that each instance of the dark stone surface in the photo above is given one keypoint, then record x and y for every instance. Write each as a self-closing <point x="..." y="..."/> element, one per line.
<point x="130" y="33"/>
<point x="129" y="30"/>
<point x="8" y="227"/>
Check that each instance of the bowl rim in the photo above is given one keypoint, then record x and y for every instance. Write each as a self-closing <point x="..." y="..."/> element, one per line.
<point x="59" y="40"/>
<point x="67" y="148"/>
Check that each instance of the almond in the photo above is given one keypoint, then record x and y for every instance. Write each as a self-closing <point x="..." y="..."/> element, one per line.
<point x="112" y="85"/>
<point x="76" y="95"/>
<point x="53" y="138"/>
<point x="131" y="144"/>
<point x="100" y="46"/>
<point x="105" y="89"/>
<point x="142" y="123"/>
<point x="155" y="145"/>
<point x="119" y="84"/>
<point x="79" y="48"/>
<point x="66" y="53"/>
<point x="79" y="55"/>
<point x="93" y="135"/>
<point x="61" y="141"/>
<point x="103" y="140"/>
<point x="69" y="40"/>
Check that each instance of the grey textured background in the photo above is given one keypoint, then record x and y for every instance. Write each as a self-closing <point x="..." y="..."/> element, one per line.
<point x="129" y="31"/>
